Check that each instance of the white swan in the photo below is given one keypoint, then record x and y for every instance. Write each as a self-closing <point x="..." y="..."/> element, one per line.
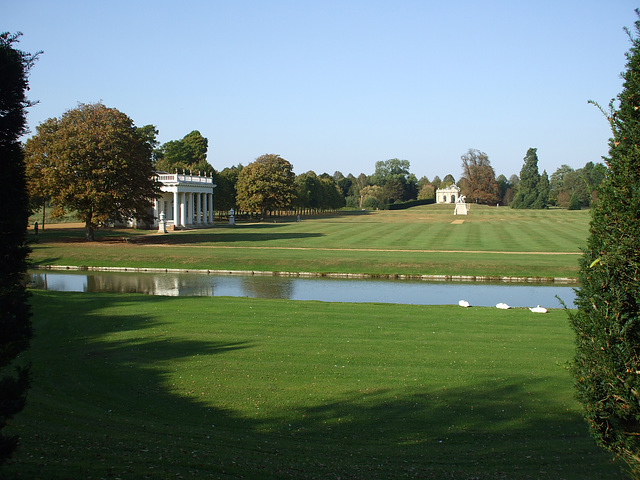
<point x="503" y="306"/>
<point x="464" y="303"/>
<point x="538" y="309"/>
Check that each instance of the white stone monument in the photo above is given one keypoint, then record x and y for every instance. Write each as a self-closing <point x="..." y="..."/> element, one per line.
<point x="232" y="218"/>
<point x="162" y="226"/>
<point x="461" y="206"/>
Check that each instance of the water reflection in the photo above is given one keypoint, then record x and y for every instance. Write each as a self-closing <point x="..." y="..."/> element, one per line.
<point x="322" y="289"/>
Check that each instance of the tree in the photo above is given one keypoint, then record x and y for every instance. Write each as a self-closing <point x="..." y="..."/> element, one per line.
<point x="15" y="323"/>
<point x="447" y="181"/>
<point x="478" y="180"/>
<point x="397" y="182"/>
<point x="95" y="162"/>
<point x="532" y="191"/>
<point x="355" y="197"/>
<point x="427" y="192"/>
<point x="566" y="182"/>
<point x="372" y="197"/>
<point x="265" y="185"/>
<point x="225" y="191"/>
<point x="308" y="191"/>
<point x="574" y="202"/>
<point x="557" y="182"/>
<point x="606" y="366"/>
<point x="332" y="198"/>
<point x="188" y="154"/>
<point x="504" y="189"/>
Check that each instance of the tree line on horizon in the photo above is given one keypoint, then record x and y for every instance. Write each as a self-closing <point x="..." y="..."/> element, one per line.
<point x="392" y="182"/>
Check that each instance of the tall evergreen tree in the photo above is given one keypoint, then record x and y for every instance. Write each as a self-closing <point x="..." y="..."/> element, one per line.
<point x="533" y="190"/>
<point x="607" y="360"/>
<point x="15" y="323"/>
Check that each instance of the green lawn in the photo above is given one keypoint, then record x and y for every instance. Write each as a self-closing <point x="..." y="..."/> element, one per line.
<point x="131" y="386"/>
<point x="426" y="240"/>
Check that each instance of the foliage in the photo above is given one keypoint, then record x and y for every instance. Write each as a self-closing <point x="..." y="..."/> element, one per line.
<point x="505" y="190"/>
<point x="478" y="181"/>
<point x="188" y="154"/>
<point x="15" y="323"/>
<point x="607" y="324"/>
<point x="94" y="161"/>
<point x="427" y="192"/>
<point x="397" y="182"/>
<point x="225" y="191"/>
<point x="373" y="197"/>
<point x="574" y="202"/>
<point x="266" y="185"/>
<point x="447" y="181"/>
<point x="533" y="188"/>
<point x="566" y="182"/>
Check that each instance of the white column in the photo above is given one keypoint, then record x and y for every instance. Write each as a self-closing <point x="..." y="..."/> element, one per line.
<point x="189" y="200"/>
<point x="210" y="202"/>
<point x="199" y="208"/>
<point x="182" y="210"/>
<point x="176" y="209"/>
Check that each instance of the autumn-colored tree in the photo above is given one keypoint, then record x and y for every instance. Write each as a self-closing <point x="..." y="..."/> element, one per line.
<point x="478" y="181"/>
<point x="266" y="185"/>
<point x="95" y="162"/>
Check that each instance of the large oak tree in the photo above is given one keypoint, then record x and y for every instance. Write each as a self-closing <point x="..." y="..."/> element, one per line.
<point x="266" y="185"/>
<point x="93" y="161"/>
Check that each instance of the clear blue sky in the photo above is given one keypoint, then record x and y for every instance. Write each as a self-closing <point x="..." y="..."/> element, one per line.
<point x="340" y="84"/>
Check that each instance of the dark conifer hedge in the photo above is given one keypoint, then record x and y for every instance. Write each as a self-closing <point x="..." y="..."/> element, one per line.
<point x="15" y="324"/>
<point x="607" y="361"/>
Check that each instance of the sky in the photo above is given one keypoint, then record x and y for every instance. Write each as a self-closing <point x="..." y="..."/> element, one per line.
<point x="338" y="85"/>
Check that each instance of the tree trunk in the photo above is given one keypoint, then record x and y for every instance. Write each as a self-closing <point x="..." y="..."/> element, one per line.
<point x="88" y="232"/>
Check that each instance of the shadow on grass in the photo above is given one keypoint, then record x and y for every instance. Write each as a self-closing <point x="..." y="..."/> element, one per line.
<point x="110" y="400"/>
<point x="251" y="233"/>
<point x="240" y="233"/>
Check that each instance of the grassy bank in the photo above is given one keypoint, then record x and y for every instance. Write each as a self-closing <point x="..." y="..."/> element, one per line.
<point x="132" y="386"/>
<point x="425" y="240"/>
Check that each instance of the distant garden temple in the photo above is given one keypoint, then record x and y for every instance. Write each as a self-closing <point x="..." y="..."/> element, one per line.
<point x="449" y="194"/>
<point x="185" y="201"/>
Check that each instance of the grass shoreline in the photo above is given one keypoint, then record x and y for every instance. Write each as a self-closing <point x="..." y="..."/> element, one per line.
<point x="430" y="278"/>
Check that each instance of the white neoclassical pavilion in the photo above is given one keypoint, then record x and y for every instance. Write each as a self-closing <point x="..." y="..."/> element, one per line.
<point x="186" y="200"/>
<point x="448" y="194"/>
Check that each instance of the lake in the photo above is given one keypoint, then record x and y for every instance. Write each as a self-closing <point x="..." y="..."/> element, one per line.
<point x="415" y="292"/>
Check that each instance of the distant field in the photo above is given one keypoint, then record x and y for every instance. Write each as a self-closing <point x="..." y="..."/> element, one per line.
<point x="426" y="240"/>
<point x="132" y="386"/>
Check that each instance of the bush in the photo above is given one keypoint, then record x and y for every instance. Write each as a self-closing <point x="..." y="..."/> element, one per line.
<point x="574" y="202"/>
<point x="606" y="366"/>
